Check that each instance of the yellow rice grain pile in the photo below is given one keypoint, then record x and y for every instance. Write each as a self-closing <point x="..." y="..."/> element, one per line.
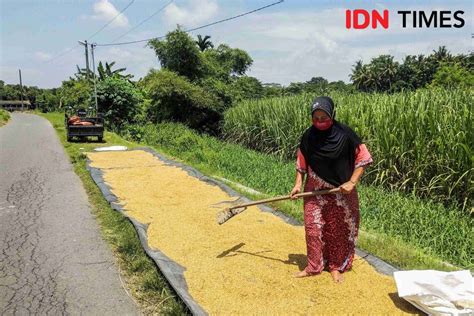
<point x="245" y="266"/>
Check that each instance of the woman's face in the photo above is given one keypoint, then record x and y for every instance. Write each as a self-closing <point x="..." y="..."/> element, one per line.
<point x="321" y="120"/>
<point x="320" y="116"/>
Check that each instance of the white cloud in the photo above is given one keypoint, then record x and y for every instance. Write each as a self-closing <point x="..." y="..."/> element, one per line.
<point x="297" y="45"/>
<point x="137" y="59"/>
<point x="286" y="46"/>
<point x="42" y="56"/>
<point x="106" y="11"/>
<point x="192" y="13"/>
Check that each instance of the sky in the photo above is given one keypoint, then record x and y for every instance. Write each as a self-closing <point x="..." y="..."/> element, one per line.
<point x="289" y="42"/>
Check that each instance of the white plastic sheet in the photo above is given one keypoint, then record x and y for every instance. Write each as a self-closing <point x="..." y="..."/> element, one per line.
<point x="436" y="292"/>
<point x="111" y="148"/>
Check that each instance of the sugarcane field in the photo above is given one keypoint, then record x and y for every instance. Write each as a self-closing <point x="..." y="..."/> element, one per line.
<point x="216" y="157"/>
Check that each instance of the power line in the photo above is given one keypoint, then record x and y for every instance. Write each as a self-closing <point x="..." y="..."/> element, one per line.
<point x="148" y="18"/>
<point x="63" y="53"/>
<point x="235" y="17"/>
<point x="196" y="28"/>
<point x="97" y="32"/>
<point x="108" y="23"/>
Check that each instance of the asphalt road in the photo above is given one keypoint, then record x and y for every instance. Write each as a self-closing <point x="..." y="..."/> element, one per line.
<point x="53" y="259"/>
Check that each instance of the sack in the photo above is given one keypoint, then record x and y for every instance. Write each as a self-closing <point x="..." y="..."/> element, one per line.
<point x="79" y="123"/>
<point x="437" y="292"/>
<point x="73" y="119"/>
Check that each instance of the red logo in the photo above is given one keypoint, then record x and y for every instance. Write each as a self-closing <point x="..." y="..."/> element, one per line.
<point x="361" y="19"/>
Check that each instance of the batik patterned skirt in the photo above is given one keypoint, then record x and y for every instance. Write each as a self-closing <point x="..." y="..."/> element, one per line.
<point x="331" y="227"/>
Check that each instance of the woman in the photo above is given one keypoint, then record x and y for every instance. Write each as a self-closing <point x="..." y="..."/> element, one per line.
<point x="331" y="155"/>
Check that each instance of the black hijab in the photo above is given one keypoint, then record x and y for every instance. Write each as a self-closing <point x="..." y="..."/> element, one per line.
<point x="330" y="153"/>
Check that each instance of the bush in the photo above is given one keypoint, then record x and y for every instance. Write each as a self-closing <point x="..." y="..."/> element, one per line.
<point x="220" y="89"/>
<point x="175" y="98"/>
<point x="4" y="117"/>
<point x="119" y="100"/>
<point x="452" y="76"/>
<point x="246" y="88"/>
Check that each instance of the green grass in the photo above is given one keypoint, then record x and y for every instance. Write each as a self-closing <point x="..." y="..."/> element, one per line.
<point x="408" y="232"/>
<point x="4" y="117"/>
<point x="146" y="284"/>
<point x="422" y="142"/>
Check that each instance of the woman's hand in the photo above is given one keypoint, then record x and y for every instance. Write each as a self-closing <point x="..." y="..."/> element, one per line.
<point x="347" y="187"/>
<point x="296" y="190"/>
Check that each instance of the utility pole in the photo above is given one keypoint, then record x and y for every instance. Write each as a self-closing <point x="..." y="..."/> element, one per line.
<point x="95" y="80"/>
<point x="21" y="89"/>
<point x="87" y="56"/>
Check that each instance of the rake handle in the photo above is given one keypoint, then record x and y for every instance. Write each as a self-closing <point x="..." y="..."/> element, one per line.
<point x="287" y="197"/>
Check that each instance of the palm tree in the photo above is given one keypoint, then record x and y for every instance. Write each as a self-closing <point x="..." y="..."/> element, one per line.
<point x="359" y="75"/>
<point x="384" y="71"/>
<point x="441" y="54"/>
<point x="204" y="43"/>
<point x="105" y="72"/>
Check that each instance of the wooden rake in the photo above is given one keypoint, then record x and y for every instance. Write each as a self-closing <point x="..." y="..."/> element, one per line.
<point x="228" y="213"/>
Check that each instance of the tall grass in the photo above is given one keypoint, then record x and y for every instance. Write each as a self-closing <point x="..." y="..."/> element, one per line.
<point x="422" y="142"/>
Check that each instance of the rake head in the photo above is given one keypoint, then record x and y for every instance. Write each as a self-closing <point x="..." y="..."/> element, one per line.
<point x="228" y="213"/>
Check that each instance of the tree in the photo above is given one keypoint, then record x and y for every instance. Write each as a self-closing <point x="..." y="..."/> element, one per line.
<point x="442" y="54"/>
<point x="204" y="43"/>
<point x="359" y="75"/>
<point x="119" y="100"/>
<point x="384" y="72"/>
<point x="377" y="76"/>
<point x="10" y="92"/>
<point x="193" y="71"/>
<point x="42" y="98"/>
<point x="465" y="61"/>
<point x="76" y="93"/>
<point x="316" y="85"/>
<point x="411" y="73"/>
<point x="222" y="90"/>
<point x="340" y="86"/>
<point x="295" y="88"/>
<point x="178" y="53"/>
<point x="230" y="61"/>
<point x="30" y="93"/>
<point x="272" y="90"/>
<point x="317" y="81"/>
<point x="247" y="88"/>
<point x="451" y="75"/>
<point x="48" y="100"/>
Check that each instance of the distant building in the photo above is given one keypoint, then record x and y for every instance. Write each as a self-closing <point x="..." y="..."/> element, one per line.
<point x="14" y="105"/>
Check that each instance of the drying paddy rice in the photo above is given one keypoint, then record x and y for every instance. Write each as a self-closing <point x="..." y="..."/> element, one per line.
<point x="244" y="266"/>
